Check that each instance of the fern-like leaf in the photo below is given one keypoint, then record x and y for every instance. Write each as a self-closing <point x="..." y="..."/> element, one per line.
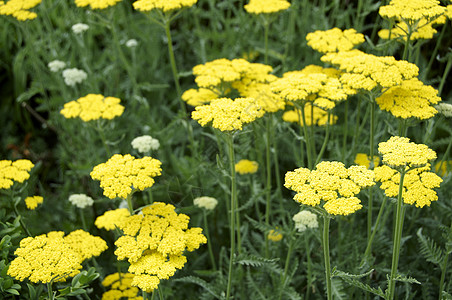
<point x="429" y="249"/>
<point x="204" y="284"/>
<point x="352" y="279"/>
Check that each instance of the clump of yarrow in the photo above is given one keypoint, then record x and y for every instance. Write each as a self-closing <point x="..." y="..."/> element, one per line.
<point x="304" y="220"/>
<point x="208" y="203"/>
<point x="145" y="143"/>
<point x="73" y="76"/>
<point x="81" y="200"/>
<point x="56" y="65"/>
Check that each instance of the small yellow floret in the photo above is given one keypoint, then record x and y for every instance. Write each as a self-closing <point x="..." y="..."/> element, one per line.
<point x="245" y="166"/>
<point x="266" y="6"/>
<point x="33" y="202"/>
<point x="163" y="5"/>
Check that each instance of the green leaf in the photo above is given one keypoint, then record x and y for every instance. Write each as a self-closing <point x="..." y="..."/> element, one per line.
<point x="429" y="249"/>
<point x="31" y="291"/>
<point x="353" y="280"/>
<point x="196" y="280"/>
<point x="337" y="289"/>
<point x="406" y="279"/>
<point x="13" y="291"/>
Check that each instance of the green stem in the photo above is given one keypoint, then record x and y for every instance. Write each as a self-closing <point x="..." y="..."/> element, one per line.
<point x="371" y="166"/>
<point x="358" y="16"/>
<point x="444" y="267"/>
<point x="325" y="141"/>
<point x="49" y="291"/>
<point x="268" y="184"/>
<point x="286" y="265"/>
<point x="374" y="231"/>
<point x="232" y="216"/>
<point x="397" y="239"/>
<point x="446" y="72"/>
<point x="129" y="204"/>
<point x="407" y="44"/>
<point x="266" y="29"/>
<point x="290" y="31"/>
<point x="101" y="132"/>
<point x="326" y="254"/>
<point x="308" y="258"/>
<point x="435" y="51"/>
<point x="345" y="131"/>
<point x="209" y="241"/>
<point x="82" y="217"/>
<point x="160" y="294"/>
<point x="306" y="137"/>
<point x="22" y="224"/>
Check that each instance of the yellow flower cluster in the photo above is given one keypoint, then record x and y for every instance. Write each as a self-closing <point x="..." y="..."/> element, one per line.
<point x="122" y="173"/>
<point x="19" y="9"/>
<point x="363" y="159"/>
<point x="313" y="116"/>
<point x="33" y="202"/>
<point x="245" y="166"/>
<point x="320" y="86"/>
<point x="334" y="40"/>
<point x="96" y="4"/>
<point x="274" y="235"/>
<point x="93" y="107"/>
<point x="154" y="243"/>
<point x="121" y="287"/>
<point x="14" y="171"/>
<point x="266" y="6"/>
<point x="332" y="183"/>
<point x="411" y="99"/>
<point x="201" y="96"/>
<point x="423" y="30"/>
<point x="112" y="218"/>
<point x="367" y="71"/>
<point x="412" y="10"/>
<point x="399" y="152"/>
<point x="53" y="256"/>
<point x="164" y="5"/>
<point x="418" y="184"/>
<point x="227" y="114"/>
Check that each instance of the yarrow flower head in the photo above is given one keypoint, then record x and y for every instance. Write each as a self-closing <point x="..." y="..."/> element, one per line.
<point x="362" y="159"/>
<point x="245" y="166"/>
<point x="56" y="65"/>
<point x="93" y="107"/>
<point x="33" y="202"/>
<point x="410" y="99"/>
<point x="79" y="28"/>
<point x="145" y="143"/>
<point x="17" y="171"/>
<point x="304" y="220"/>
<point x="274" y="235"/>
<point x="112" y="219"/>
<point x="96" y="4"/>
<point x="120" y="287"/>
<point x="81" y="200"/>
<point x="313" y="116"/>
<point x="19" y="9"/>
<point x="208" y="203"/>
<point x="266" y="6"/>
<point x="121" y="174"/>
<point x="367" y="72"/>
<point x="334" y="40"/>
<point x="132" y="43"/>
<point x="226" y="114"/>
<point x="331" y="183"/>
<point x="53" y="256"/>
<point x="412" y="11"/>
<point x="74" y="76"/>
<point x="154" y="243"/>
<point x="399" y="153"/>
<point x="445" y="109"/>
<point x="163" y="5"/>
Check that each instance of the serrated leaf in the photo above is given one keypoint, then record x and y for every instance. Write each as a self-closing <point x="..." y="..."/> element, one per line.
<point x="429" y="249"/>
<point x="254" y="261"/>
<point x="196" y="280"/>
<point x="406" y="279"/>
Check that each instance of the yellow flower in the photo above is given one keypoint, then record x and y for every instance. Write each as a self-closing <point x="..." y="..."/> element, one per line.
<point x="319" y="118"/>
<point x="121" y="287"/>
<point x="410" y="99"/>
<point x="363" y="159"/>
<point x="54" y="257"/>
<point x="274" y="235"/>
<point x="227" y="114"/>
<point x="196" y="97"/>
<point x="334" y="40"/>
<point x="123" y="173"/>
<point x="266" y="6"/>
<point x="154" y="243"/>
<point x="93" y="107"/>
<point x="412" y="11"/>
<point x="367" y="71"/>
<point x="33" y="202"/>
<point x="418" y="184"/>
<point x="17" y="171"/>
<point x="96" y="4"/>
<point x="164" y="5"/>
<point x="19" y="9"/>
<point x="423" y="30"/>
<point x="245" y="166"/>
<point x="399" y="152"/>
<point x="112" y="218"/>
<point x="443" y="168"/>
<point x="331" y="183"/>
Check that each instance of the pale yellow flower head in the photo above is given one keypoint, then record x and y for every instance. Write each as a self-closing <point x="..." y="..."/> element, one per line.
<point x="54" y="256"/>
<point x="93" y="107"/>
<point x="245" y="166"/>
<point x="17" y="171"/>
<point x="33" y="202"/>
<point x="410" y="99"/>
<point x="334" y="40"/>
<point x="266" y="6"/>
<point x="330" y="184"/>
<point x="96" y="4"/>
<point x="367" y="72"/>
<point x="226" y="114"/>
<point x="19" y="9"/>
<point x="154" y="243"/>
<point x="164" y="5"/>
<point x="399" y="152"/>
<point x="304" y="220"/>
<point x="123" y="173"/>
